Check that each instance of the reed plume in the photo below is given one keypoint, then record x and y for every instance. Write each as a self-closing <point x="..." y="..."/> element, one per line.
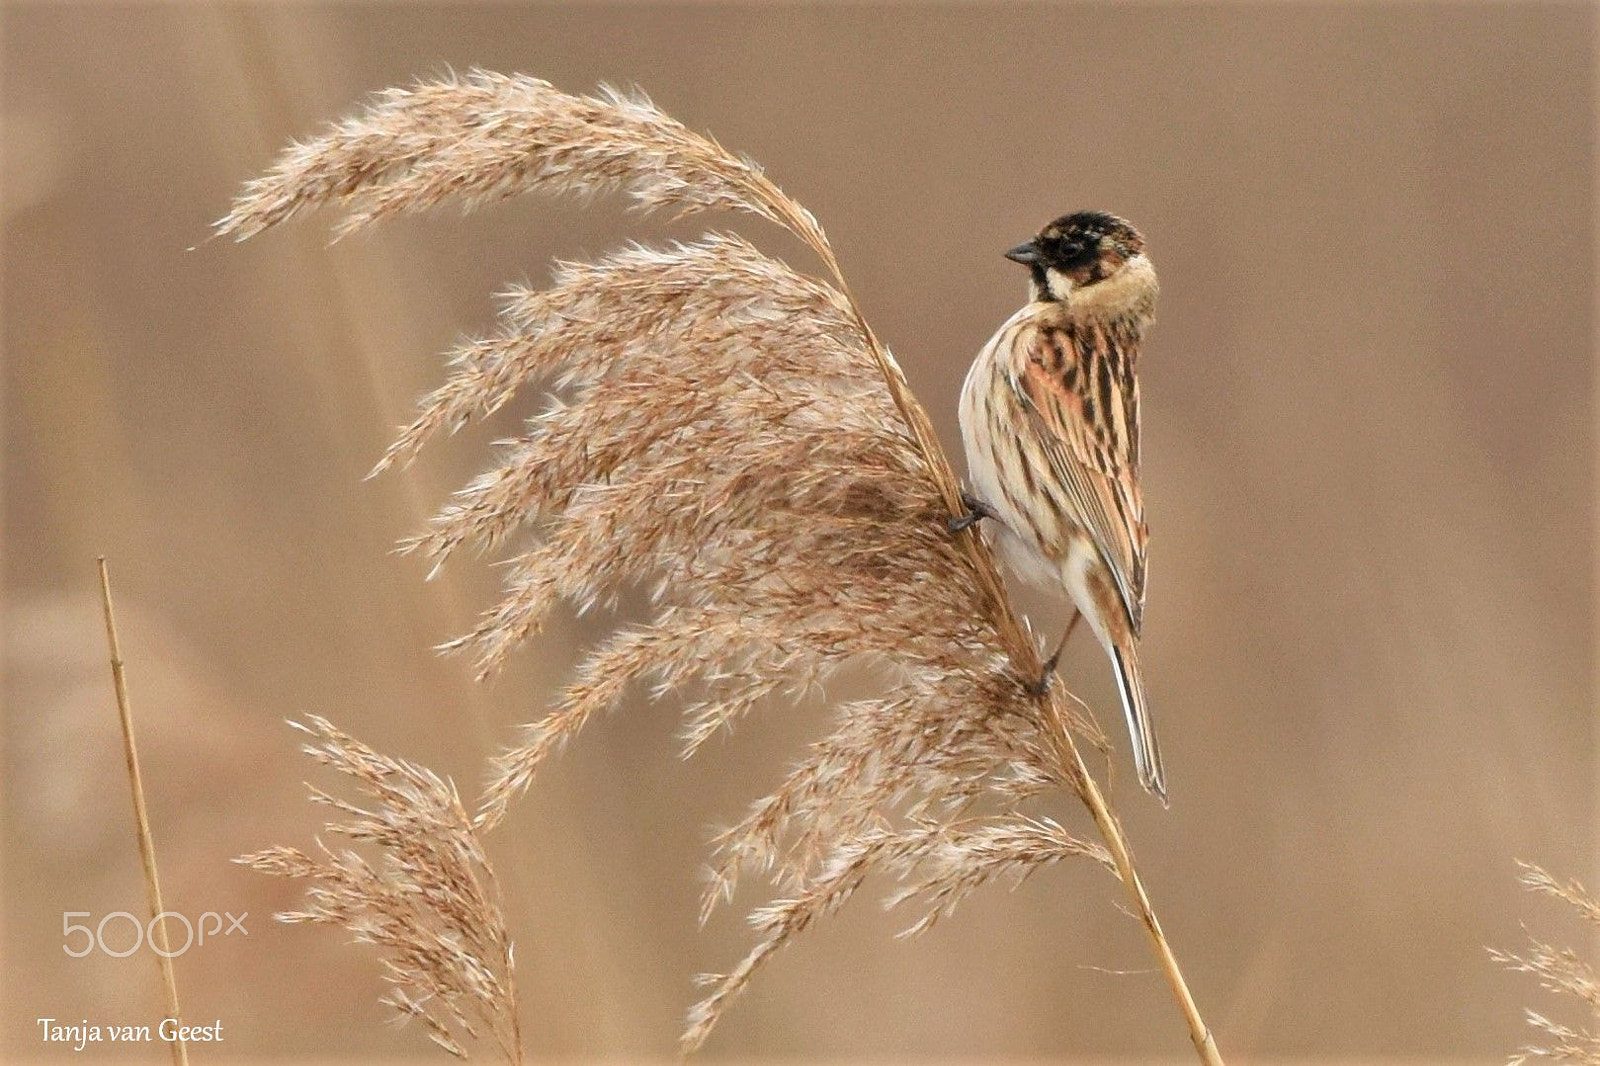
<point x="727" y="433"/>
<point x="1561" y="971"/>
<point x="430" y="902"/>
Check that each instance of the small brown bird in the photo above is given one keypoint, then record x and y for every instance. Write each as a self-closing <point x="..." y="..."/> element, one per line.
<point x="1050" y="420"/>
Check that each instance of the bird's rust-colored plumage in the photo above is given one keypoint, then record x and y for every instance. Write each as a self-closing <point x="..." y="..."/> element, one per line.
<point x="1078" y="385"/>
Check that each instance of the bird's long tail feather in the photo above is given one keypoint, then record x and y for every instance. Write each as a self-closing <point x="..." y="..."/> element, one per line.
<point x="1141" y="730"/>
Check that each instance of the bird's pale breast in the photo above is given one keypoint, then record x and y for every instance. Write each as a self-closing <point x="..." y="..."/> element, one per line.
<point x="1009" y="468"/>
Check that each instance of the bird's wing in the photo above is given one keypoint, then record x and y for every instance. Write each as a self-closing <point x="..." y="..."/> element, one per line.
<point x="1083" y="398"/>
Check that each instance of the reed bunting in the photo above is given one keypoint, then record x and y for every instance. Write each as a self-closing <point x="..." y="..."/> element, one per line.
<point x="1050" y="420"/>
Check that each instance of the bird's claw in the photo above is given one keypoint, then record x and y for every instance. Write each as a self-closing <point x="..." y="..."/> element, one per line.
<point x="977" y="511"/>
<point x="1038" y="688"/>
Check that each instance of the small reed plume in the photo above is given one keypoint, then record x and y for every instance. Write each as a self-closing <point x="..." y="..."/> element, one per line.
<point x="727" y="433"/>
<point x="1559" y="970"/>
<point x="429" y="901"/>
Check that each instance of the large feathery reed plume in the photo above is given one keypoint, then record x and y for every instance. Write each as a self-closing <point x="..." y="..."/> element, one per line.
<point x="730" y="434"/>
<point x="1561" y="971"/>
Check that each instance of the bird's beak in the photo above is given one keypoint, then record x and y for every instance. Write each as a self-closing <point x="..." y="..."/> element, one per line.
<point x="1026" y="253"/>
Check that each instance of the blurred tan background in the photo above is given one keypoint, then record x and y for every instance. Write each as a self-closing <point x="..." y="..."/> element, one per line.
<point x="1369" y="422"/>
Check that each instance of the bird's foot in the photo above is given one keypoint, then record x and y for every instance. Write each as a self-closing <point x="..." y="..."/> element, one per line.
<point x="977" y="511"/>
<point x="1042" y="685"/>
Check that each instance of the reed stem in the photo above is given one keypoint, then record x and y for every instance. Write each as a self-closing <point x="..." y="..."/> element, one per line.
<point x="141" y="814"/>
<point x="1025" y="656"/>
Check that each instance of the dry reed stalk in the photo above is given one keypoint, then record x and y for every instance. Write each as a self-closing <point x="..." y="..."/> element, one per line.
<point x="730" y="434"/>
<point x="431" y="903"/>
<point x="1561" y="971"/>
<point x="141" y="815"/>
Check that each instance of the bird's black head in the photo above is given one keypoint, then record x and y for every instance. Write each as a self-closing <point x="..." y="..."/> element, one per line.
<point x="1077" y="250"/>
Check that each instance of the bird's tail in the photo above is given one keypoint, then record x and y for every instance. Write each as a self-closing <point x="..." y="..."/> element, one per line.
<point x="1141" y="730"/>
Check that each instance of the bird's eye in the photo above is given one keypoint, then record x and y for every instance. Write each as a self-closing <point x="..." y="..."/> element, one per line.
<point x="1071" y="250"/>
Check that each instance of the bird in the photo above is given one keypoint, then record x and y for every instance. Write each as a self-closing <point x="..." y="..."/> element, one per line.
<point x="1050" y="423"/>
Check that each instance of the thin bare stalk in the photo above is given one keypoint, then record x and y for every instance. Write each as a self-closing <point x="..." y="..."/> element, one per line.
<point x="141" y="814"/>
<point x="1205" y="1045"/>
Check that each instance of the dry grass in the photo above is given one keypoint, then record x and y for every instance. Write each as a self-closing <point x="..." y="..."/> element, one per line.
<point x="1559" y="970"/>
<point x="430" y="902"/>
<point x="160" y="943"/>
<point x="727" y="433"/>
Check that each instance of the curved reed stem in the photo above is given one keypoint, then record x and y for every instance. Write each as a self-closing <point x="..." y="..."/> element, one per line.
<point x="1025" y="654"/>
